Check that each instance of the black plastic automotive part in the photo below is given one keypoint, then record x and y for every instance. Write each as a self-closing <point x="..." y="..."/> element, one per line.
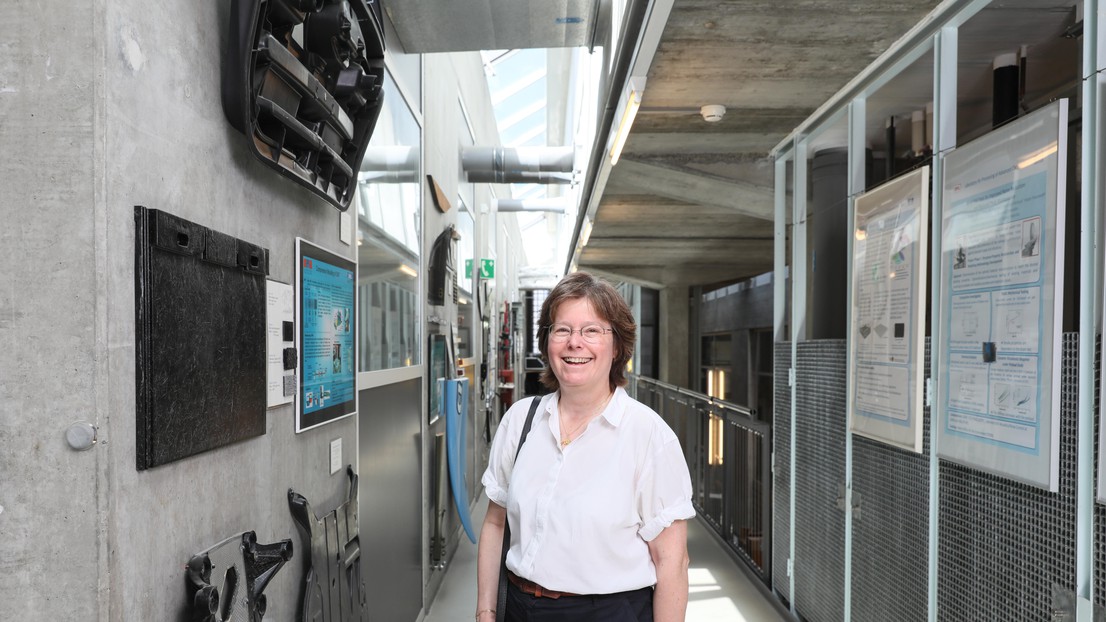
<point x="199" y="338"/>
<point x="333" y="590"/>
<point x="241" y="569"/>
<point x="302" y="80"/>
<point x="443" y="273"/>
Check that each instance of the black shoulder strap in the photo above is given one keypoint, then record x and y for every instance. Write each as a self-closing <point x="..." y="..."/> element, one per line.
<point x="501" y="601"/>
<point x="529" y="421"/>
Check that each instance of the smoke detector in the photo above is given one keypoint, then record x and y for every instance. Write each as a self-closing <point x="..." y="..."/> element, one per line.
<point x="712" y="113"/>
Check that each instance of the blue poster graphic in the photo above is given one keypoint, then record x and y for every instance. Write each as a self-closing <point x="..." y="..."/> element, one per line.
<point x="328" y="363"/>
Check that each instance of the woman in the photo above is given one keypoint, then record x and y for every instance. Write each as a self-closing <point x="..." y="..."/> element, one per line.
<point x="600" y="494"/>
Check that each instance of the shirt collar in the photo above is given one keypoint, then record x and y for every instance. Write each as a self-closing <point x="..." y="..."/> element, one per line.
<point x="613" y="413"/>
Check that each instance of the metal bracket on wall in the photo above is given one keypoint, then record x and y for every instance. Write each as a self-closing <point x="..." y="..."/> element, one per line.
<point x="232" y="561"/>
<point x="1065" y="605"/>
<point x="845" y="495"/>
<point x="333" y="589"/>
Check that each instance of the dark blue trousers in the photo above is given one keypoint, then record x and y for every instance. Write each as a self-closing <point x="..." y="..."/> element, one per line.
<point x="633" y="606"/>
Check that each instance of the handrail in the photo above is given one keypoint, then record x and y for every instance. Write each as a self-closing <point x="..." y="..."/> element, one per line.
<point x="737" y="408"/>
<point x="734" y="414"/>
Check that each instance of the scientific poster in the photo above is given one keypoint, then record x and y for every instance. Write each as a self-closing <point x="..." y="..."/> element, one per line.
<point x="999" y="359"/>
<point x="327" y="336"/>
<point x="281" y="310"/>
<point x="886" y="345"/>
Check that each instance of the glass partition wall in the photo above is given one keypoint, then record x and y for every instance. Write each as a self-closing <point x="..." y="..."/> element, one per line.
<point x="388" y="232"/>
<point x="923" y="536"/>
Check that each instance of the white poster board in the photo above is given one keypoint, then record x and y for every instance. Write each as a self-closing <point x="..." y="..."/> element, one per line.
<point x="1002" y="252"/>
<point x="887" y="339"/>
<point x="281" y="311"/>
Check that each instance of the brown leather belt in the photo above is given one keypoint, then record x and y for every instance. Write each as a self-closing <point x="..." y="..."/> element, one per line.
<point x="529" y="587"/>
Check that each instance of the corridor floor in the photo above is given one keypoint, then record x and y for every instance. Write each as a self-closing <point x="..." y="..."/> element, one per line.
<point x="719" y="590"/>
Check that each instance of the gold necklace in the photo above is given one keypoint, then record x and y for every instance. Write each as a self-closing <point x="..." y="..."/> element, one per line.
<point x="567" y="438"/>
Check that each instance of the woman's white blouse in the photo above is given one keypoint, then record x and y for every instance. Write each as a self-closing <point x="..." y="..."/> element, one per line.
<point x="581" y="516"/>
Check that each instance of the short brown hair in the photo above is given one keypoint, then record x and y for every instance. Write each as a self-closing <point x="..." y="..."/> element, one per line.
<point x="608" y="303"/>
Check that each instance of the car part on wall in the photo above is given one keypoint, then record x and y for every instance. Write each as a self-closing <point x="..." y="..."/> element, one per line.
<point x="333" y="590"/>
<point x="199" y="338"/>
<point x="443" y="271"/>
<point x="303" y="81"/>
<point x="241" y="569"/>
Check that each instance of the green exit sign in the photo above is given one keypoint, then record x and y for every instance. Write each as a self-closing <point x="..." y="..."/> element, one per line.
<point x="487" y="268"/>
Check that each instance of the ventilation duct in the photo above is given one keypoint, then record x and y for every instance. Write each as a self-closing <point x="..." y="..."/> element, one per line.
<point x="390" y="165"/>
<point x="556" y="205"/>
<point x="518" y="165"/>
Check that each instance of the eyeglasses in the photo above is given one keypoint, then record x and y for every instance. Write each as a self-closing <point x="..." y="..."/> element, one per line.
<point x="591" y="333"/>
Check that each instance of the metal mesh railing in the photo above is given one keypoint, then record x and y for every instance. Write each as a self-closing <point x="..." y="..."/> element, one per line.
<point x="729" y="454"/>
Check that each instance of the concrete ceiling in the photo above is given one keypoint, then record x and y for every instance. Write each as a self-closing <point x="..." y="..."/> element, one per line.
<point x="691" y="202"/>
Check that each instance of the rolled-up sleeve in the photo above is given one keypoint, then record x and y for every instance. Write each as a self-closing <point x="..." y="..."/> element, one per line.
<point x="664" y="490"/>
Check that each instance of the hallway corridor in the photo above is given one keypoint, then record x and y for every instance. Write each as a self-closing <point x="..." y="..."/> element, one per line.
<point x="719" y="590"/>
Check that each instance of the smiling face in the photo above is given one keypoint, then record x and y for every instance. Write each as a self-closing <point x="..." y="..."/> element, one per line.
<point x="577" y="364"/>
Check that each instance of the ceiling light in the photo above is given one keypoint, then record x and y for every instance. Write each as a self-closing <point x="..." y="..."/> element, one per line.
<point x="408" y="270"/>
<point x="633" y="102"/>
<point x="713" y="113"/>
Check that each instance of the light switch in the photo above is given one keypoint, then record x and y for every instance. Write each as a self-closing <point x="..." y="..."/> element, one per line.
<point x="335" y="456"/>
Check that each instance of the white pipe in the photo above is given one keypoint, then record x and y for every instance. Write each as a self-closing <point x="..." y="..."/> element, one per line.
<point x="393" y="164"/>
<point x="555" y="205"/>
<point x="518" y="164"/>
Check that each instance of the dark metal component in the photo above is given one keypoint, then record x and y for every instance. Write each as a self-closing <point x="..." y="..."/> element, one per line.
<point x="200" y="338"/>
<point x="333" y="590"/>
<point x="889" y="162"/>
<point x="227" y="599"/>
<point x="829" y="219"/>
<point x="441" y="504"/>
<point x="308" y="111"/>
<point x="1004" y="105"/>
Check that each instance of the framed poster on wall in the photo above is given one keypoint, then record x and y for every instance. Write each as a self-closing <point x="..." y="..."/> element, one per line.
<point x="887" y="340"/>
<point x="327" y="336"/>
<point x="1002" y="254"/>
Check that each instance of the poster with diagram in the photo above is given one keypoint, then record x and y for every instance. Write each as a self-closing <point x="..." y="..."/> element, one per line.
<point x="999" y="356"/>
<point x="327" y="336"/>
<point x="886" y="344"/>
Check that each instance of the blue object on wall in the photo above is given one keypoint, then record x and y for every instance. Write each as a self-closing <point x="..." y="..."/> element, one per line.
<point x="455" y="398"/>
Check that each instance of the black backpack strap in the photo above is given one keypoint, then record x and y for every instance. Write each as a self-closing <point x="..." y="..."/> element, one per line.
<point x="501" y="601"/>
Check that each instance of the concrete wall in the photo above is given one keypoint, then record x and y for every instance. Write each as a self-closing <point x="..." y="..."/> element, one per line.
<point x="52" y="317"/>
<point x="116" y="104"/>
<point x="674" y="336"/>
<point x="168" y="146"/>
<point x="104" y="106"/>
